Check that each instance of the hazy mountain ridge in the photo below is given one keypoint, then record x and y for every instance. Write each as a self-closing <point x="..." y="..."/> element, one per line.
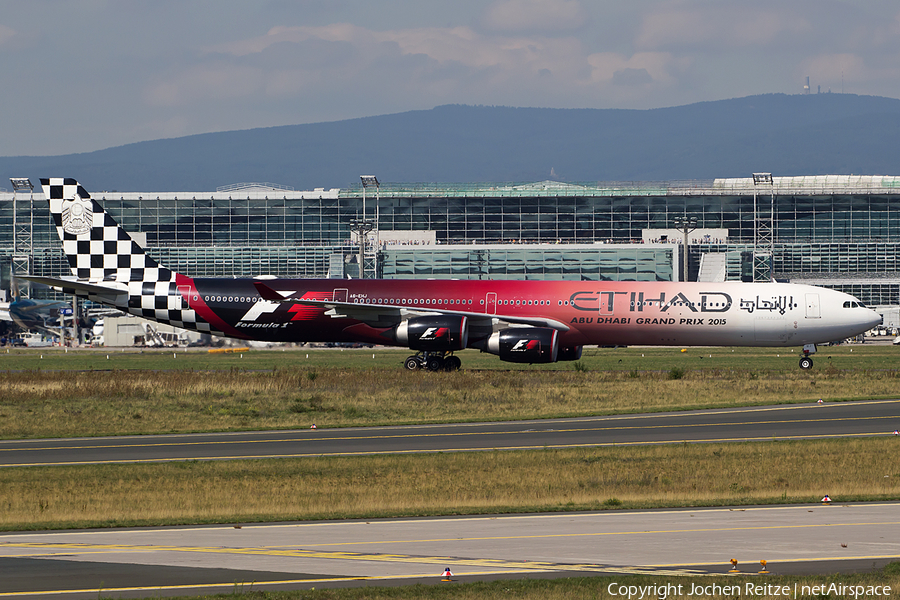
<point x="787" y="135"/>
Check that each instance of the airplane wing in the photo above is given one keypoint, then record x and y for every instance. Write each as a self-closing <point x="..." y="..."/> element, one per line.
<point x="39" y="305"/>
<point x="80" y="285"/>
<point x="384" y="315"/>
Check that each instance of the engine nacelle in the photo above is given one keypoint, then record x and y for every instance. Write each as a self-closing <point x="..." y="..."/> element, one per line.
<point x="525" y="344"/>
<point x="434" y="334"/>
<point x="571" y="353"/>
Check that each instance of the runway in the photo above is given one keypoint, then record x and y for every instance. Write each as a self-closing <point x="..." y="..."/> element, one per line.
<point x="193" y="560"/>
<point x="783" y="422"/>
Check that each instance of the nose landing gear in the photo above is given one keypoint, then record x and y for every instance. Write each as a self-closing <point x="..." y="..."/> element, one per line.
<point x="805" y="361"/>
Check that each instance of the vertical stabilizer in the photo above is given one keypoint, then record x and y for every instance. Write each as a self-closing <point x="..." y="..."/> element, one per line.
<point x="97" y="248"/>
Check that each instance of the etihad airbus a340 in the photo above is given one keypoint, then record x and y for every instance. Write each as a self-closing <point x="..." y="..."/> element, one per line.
<point x="519" y="321"/>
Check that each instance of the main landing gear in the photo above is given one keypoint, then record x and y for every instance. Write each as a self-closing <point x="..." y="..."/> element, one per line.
<point x="433" y="361"/>
<point x="805" y="361"/>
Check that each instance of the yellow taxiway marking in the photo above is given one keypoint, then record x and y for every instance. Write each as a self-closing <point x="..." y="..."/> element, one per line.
<point x="519" y="517"/>
<point x="288" y="551"/>
<point x="502" y="567"/>
<point x="771" y="563"/>
<point x="313" y="582"/>
<point x="496" y="566"/>
<point x="607" y="533"/>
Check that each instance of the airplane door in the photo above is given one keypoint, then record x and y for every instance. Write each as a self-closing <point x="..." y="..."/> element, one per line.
<point x="491" y="303"/>
<point x="340" y="294"/>
<point x="813" y="309"/>
<point x="181" y="292"/>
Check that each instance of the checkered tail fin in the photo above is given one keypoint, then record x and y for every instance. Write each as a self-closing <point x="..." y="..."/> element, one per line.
<point x="97" y="248"/>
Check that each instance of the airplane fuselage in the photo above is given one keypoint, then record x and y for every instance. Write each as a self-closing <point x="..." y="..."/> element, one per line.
<point x="602" y="313"/>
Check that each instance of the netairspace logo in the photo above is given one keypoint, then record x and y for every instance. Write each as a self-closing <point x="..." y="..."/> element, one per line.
<point x="663" y="591"/>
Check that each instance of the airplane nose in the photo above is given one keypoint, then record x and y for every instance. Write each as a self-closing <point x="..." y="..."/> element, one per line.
<point x="874" y="319"/>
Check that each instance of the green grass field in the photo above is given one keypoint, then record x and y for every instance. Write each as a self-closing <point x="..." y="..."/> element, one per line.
<point x="453" y="483"/>
<point x="58" y="394"/>
<point x="856" y="357"/>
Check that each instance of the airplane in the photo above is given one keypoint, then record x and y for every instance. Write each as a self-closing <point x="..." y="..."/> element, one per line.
<point x="33" y="314"/>
<point x="519" y="321"/>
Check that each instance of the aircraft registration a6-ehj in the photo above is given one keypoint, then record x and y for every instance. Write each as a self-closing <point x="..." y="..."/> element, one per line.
<point x="519" y="321"/>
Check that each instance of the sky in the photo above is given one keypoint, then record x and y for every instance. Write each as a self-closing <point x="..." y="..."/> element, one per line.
<point x="83" y="75"/>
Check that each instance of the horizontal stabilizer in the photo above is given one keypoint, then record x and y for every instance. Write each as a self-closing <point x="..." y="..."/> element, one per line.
<point x="76" y="284"/>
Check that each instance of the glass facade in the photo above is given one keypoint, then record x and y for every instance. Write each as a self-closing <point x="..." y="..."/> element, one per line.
<point x="841" y="229"/>
<point x="527" y="261"/>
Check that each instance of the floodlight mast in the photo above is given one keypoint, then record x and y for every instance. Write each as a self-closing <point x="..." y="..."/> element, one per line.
<point x="21" y="183"/>
<point x="363" y="226"/>
<point x="763" y="228"/>
<point x="685" y="224"/>
<point x="23" y="237"/>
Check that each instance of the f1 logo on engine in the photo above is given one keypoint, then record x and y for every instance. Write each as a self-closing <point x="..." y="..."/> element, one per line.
<point x="524" y="345"/>
<point x="434" y="333"/>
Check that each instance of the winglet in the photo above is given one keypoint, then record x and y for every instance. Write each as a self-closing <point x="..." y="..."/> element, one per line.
<point x="268" y="293"/>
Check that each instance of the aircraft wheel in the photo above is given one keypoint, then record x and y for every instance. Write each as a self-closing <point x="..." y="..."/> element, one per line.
<point x="434" y="363"/>
<point x="806" y="363"/>
<point x="452" y="363"/>
<point x="412" y="363"/>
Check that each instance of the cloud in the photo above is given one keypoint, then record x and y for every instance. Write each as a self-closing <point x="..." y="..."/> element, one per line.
<point x="631" y="77"/>
<point x="535" y="15"/>
<point x="425" y="62"/>
<point x="720" y="25"/>
<point x="321" y="69"/>
<point x="307" y="61"/>
<point x="6" y="34"/>
<point x="643" y="67"/>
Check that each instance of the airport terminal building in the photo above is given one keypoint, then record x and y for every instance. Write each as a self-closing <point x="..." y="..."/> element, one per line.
<point x="837" y="231"/>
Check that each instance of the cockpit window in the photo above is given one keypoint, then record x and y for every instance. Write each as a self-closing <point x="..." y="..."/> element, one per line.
<point x="853" y="304"/>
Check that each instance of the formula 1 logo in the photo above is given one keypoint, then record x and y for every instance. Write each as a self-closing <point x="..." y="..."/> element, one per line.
<point x="434" y="333"/>
<point x="258" y="309"/>
<point x="525" y="345"/>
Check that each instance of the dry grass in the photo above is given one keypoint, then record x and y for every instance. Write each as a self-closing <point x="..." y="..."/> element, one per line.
<point x="459" y="483"/>
<point x="62" y="403"/>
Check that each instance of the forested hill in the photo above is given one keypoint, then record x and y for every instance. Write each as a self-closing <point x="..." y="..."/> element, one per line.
<point x="786" y="135"/>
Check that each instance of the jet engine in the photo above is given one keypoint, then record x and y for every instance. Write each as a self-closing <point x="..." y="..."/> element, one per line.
<point x="434" y="334"/>
<point x="524" y="344"/>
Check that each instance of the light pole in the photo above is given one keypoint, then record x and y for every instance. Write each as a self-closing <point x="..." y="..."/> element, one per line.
<point x="685" y="224"/>
<point x="23" y="236"/>
<point x="763" y="228"/>
<point x="363" y="226"/>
